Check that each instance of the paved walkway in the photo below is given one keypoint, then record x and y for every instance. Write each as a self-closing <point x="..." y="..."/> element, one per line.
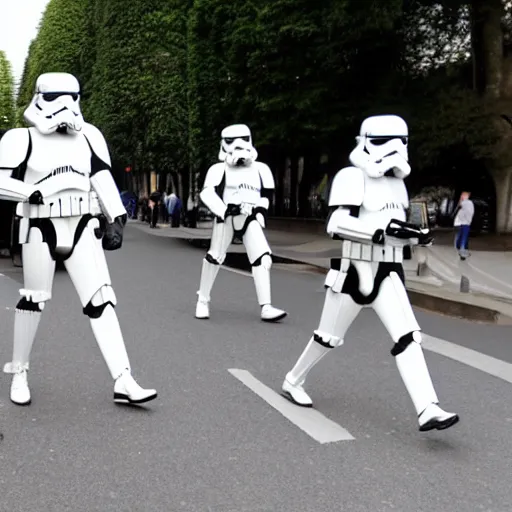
<point x="489" y="272"/>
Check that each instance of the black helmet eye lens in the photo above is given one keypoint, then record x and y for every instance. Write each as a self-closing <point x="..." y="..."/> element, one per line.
<point x="52" y="96"/>
<point x="229" y="141"/>
<point x="380" y="141"/>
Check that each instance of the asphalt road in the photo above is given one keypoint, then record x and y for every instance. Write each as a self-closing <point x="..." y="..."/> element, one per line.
<point x="209" y="443"/>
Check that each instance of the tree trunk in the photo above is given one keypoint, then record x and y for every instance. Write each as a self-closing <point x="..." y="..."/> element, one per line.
<point x="279" y="180"/>
<point x="276" y="162"/>
<point x="487" y="46"/>
<point x="311" y="165"/>
<point x="503" y="182"/>
<point x="294" y="176"/>
<point x="491" y="78"/>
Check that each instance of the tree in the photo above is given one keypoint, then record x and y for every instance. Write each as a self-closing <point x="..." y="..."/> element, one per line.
<point x="164" y="93"/>
<point x="137" y="86"/>
<point x="7" y="107"/>
<point x="492" y="65"/>
<point x="57" y="46"/>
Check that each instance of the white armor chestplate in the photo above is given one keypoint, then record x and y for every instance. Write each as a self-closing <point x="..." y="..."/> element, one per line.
<point x="242" y="185"/>
<point x="59" y="166"/>
<point x="384" y="199"/>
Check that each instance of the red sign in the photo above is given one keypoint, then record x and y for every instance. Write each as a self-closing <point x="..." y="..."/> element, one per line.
<point x="128" y="169"/>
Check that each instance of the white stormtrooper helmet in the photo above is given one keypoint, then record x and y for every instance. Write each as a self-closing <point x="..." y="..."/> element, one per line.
<point x="236" y="147"/>
<point x="56" y="104"/>
<point x="382" y="147"/>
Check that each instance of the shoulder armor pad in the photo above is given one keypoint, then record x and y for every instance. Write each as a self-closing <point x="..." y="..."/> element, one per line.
<point x="14" y="147"/>
<point x="347" y="188"/>
<point x="214" y="175"/>
<point x="97" y="143"/>
<point x="267" y="178"/>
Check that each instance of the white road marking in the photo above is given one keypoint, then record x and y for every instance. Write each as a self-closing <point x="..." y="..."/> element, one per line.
<point x="487" y="364"/>
<point x="309" y="420"/>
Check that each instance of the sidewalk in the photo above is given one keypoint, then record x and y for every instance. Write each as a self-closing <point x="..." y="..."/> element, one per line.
<point x="489" y="272"/>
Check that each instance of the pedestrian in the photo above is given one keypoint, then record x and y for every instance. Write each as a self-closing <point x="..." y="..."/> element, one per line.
<point x="174" y="206"/>
<point x="463" y="219"/>
<point x="154" y="205"/>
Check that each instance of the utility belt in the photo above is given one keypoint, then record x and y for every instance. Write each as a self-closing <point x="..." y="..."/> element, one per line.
<point x="374" y="253"/>
<point x="64" y="204"/>
<point x="342" y="275"/>
<point x="241" y="222"/>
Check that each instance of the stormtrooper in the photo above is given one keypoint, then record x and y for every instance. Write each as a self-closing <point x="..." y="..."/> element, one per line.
<point x="368" y="201"/>
<point x="237" y="191"/>
<point x="73" y="213"/>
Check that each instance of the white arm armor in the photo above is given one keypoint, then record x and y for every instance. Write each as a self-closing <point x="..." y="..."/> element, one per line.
<point x="267" y="183"/>
<point x="348" y="190"/>
<point x="209" y="195"/>
<point x="14" y="146"/>
<point x="101" y="178"/>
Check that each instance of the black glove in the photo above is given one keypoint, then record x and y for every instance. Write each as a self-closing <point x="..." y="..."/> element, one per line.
<point x="403" y="230"/>
<point x="425" y="238"/>
<point x="378" y="237"/>
<point x="232" y="210"/>
<point x="113" y="234"/>
<point x="36" y="198"/>
<point x="406" y="231"/>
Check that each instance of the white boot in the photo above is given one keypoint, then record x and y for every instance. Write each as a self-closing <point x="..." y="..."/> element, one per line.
<point x="433" y="417"/>
<point x="110" y="340"/>
<point x="127" y="391"/>
<point x="202" y="309"/>
<point x="292" y="386"/>
<point x="26" y="322"/>
<point x="208" y="275"/>
<point x="20" y="392"/>
<point x="295" y="393"/>
<point x="261" y="276"/>
<point x="414" y="372"/>
<point x="271" y="314"/>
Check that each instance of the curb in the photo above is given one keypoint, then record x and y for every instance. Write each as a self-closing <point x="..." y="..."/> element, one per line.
<point x="457" y="309"/>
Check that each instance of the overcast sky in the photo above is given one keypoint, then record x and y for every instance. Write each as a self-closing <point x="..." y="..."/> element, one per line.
<point x="19" y="20"/>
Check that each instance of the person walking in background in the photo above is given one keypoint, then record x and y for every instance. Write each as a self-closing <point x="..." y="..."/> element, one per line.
<point x="463" y="219"/>
<point x="154" y="204"/>
<point x="174" y="206"/>
<point x="164" y="214"/>
<point x="170" y="203"/>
